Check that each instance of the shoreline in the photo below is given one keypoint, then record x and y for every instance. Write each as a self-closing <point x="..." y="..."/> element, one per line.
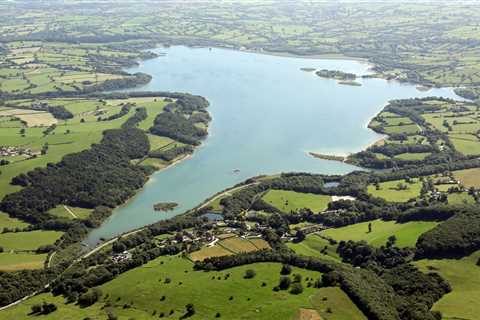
<point x="284" y="54"/>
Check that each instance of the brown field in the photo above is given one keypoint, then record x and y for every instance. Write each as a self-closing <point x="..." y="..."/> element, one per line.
<point x="260" y="243"/>
<point x="208" y="252"/>
<point x="469" y="177"/>
<point x="237" y="245"/>
<point x="31" y="117"/>
<point x="229" y="246"/>
<point x="308" y="314"/>
<point x="21" y="261"/>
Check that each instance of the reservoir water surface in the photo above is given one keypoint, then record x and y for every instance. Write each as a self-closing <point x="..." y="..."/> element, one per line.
<point x="267" y="114"/>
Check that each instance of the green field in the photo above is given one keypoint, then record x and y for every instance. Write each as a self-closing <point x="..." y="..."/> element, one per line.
<point x="250" y="300"/>
<point x="408" y="129"/>
<point x="406" y="233"/>
<point x="389" y="190"/>
<point x="11" y="223"/>
<point x="464" y="277"/>
<point x="466" y="143"/>
<point x="73" y="135"/>
<point x="312" y="245"/>
<point x="28" y="240"/>
<point x="460" y="198"/>
<point x="21" y="261"/>
<point x="70" y="212"/>
<point x="413" y="156"/>
<point x="288" y="201"/>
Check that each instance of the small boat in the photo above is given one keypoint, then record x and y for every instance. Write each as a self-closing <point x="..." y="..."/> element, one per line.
<point x="236" y="170"/>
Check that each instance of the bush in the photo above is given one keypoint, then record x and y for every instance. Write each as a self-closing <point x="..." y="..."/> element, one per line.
<point x="284" y="283"/>
<point x="297" y="288"/>
<point x="89" y="297"/>
<point x="286" y="270"/>
<point x="249" y="274"/>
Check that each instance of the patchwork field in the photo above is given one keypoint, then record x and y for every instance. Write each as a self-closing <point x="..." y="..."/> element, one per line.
<point x="396" y="191"/>
<point x="406" y="233"/>
<point x="288" y="201"/>
<point x="69" y="136"/>
<point x="229" y="246"/>
<point x="250" y="298"/>
<point x="464" y="277"/>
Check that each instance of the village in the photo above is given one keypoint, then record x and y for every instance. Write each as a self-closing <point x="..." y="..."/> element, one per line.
<point x="10" y="151"/>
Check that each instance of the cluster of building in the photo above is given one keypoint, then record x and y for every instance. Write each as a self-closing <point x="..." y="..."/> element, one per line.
<point x="120" y="257"/>
<point x="9" y="151"/>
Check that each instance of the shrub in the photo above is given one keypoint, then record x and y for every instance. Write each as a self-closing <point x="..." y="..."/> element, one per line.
<point x="249" y="274"/>
<point x="297" y="288"/>
<point x="284" y="283"/>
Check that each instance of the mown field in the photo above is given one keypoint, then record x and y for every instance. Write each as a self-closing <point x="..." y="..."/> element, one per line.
<point x="288" y="201"/>
<point x="229" y="246"/>
<point x="130" y="296"/>
<point x="406" y="233"/>
<point x="21" y="261"/>
<point x="469" y="178"/>
<point x="28" y="240"/>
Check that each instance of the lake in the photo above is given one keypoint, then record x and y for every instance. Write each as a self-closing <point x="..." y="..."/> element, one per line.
<point x="267" y="114"/>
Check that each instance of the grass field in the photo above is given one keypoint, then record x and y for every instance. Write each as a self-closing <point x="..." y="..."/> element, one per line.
<point x="312" y="245"/>
<point x="333" y="304"/>
<point x="464" y="277"/>
<point x="28" y="240"/>
<point x="11" y="223"/>
<point x="292" y="201"/>
<point x="390" y="192"/>
<point x="413" y="156"/>
<point x="408" y="129"/>
<point x="21" y="261"/>
<point x="406" y="233"/>
<point x="460" y="198"/>
<point x="469" y="177"/>
<point x="466" y="143"/>
<point x="70" y="212"/>
<point x="210" y="293"/>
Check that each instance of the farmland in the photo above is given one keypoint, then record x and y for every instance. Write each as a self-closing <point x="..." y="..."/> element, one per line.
<point x="406" y="233"/>
<point x="396" y="191"/>
<point x="313" y="245"/>
<point x="249" y="297"/>
<point x="69" y="136"/>
<point x="469" y="178"/>
<point x="63" y="85"/>
<point x="27" y="240"/>
<point x="21" y="261"/>
<point x="463" y="275"/>
<point x="228" y="246"/>
<point x="450" y="60"/>
<point x="292" y="201"/>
